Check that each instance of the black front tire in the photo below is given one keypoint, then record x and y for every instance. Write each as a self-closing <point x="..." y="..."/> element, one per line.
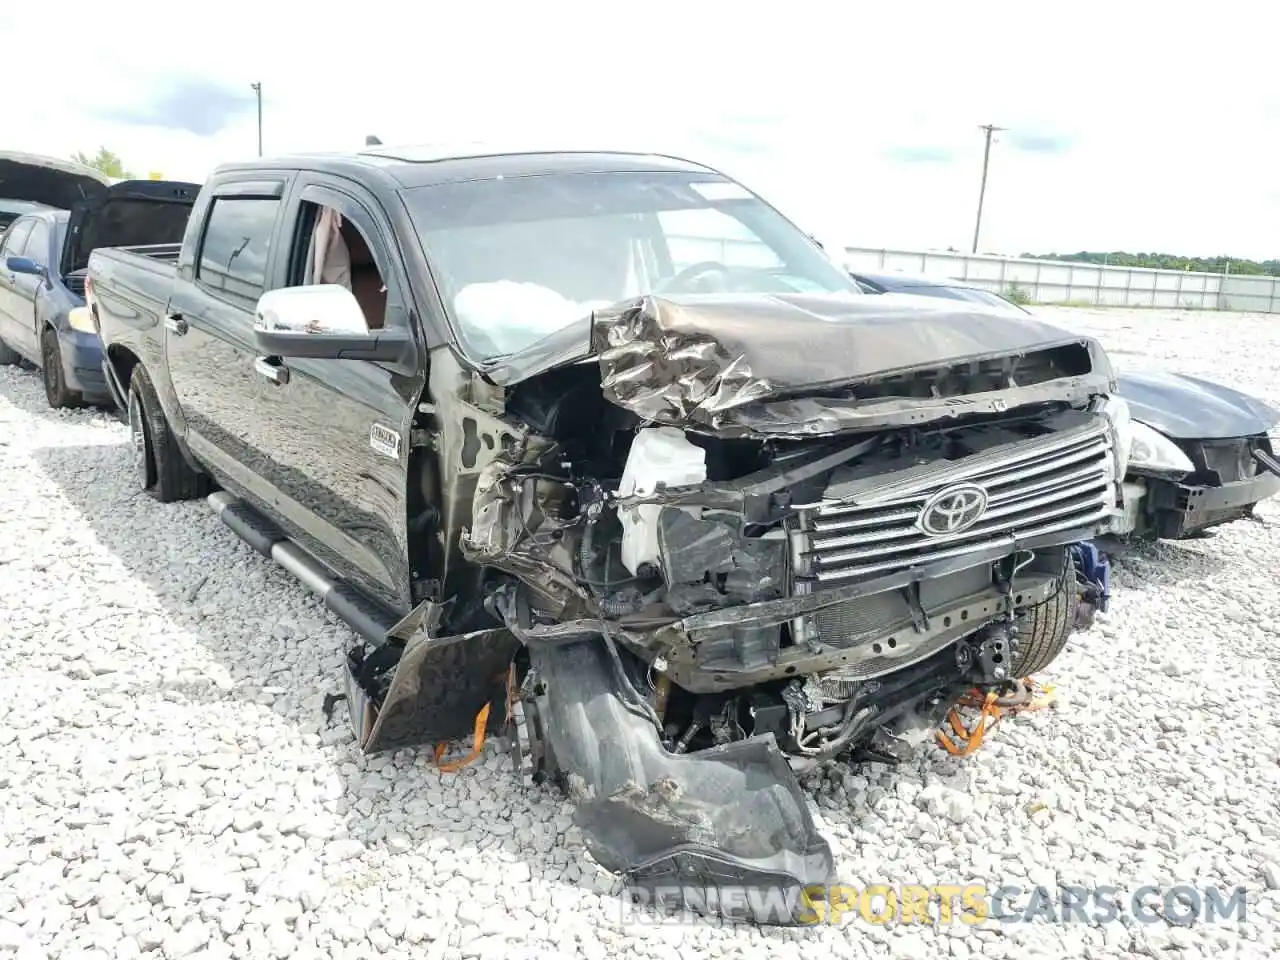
<point x="1043" y="630"/>
<point x="56" y="391"/>
<point x="160" y="467"/>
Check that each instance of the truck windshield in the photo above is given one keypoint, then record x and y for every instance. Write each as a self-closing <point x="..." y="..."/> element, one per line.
<point x="518" y="258"/>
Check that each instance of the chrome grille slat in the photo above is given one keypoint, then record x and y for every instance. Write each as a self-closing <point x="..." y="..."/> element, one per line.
<point x="830" y="576"/>
<point x="822" y="552"/>
<point x="984" y="468"/>
<point x="823" y="525"/>
<point x="1042" y="486"/>
<point x="1006" y="474"/>
<point x="1085" y="454"/>
<point x="1090" y="469"/>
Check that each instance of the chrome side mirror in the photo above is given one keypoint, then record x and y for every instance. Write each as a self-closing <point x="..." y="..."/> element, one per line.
<point x="318" y="309"/>
<point x="322" y="322"/>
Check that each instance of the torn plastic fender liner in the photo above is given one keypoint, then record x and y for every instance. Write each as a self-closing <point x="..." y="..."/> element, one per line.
<point x="732" y="818"/>
<point x="438" y="686"/>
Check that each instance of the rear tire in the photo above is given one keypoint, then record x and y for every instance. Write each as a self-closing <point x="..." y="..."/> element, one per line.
<point x="159" y="465"/>
<point x="1043" y="631"/>
<point x="56" y="391"/>
<point x="8" y="356"/>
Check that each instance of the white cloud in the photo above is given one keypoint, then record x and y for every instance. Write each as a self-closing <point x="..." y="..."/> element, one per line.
<point x="1163" y="123"/>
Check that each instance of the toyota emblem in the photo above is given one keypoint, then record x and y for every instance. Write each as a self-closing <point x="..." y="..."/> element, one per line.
<point x="952" y="510"/>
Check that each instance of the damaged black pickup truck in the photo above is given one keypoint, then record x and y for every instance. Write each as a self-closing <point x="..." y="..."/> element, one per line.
<point x="600" y="451"/>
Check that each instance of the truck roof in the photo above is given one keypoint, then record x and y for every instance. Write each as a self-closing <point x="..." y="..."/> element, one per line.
<point x="416" y="166"/>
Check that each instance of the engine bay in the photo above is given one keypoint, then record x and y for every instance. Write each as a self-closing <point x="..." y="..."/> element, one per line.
<point x="783" y="586"/>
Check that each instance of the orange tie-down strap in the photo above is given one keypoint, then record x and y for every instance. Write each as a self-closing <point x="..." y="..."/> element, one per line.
<point x="452" y="766"/>
<point x="991" y="709"/>
<point x="482" y="723"/>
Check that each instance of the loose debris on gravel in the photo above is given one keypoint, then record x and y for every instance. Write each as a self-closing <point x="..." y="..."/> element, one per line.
<point x="170" y="786"/>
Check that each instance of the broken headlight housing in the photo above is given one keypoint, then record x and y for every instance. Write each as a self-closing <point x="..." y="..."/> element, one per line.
<point x="1151" y="452"/>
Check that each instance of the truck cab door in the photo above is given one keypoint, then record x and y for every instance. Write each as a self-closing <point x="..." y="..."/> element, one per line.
<point x="208" y="333"/>
<point x="337" y="455"/>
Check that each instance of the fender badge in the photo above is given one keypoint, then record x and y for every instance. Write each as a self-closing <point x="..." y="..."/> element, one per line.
<point x="385" y="440"/>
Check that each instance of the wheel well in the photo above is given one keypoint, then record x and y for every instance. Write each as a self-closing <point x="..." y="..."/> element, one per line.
<point x="122" y="361"/>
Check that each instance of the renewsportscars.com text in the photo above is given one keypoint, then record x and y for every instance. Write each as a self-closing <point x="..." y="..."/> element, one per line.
<point x="970" y="904"/>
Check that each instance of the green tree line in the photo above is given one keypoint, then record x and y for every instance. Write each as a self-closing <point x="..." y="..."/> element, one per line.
<point x="105" y="161"/>
<point x="1167" y="261"/>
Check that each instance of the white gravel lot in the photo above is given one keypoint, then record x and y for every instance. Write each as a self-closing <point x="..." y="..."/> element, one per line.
<point x="169" y="787"/>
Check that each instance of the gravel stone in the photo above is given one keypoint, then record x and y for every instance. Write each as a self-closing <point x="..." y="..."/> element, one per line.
<point x="171" y="787"/>
<point x="1271" y="875"/>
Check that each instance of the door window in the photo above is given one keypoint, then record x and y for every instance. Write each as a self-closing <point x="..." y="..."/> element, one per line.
<point x="15" y="238"/>
<point x="330" y="248"/>
<point x="38" y="243"/>
<point x="236" y="246"/>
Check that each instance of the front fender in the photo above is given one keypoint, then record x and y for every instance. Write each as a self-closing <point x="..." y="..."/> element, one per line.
<point x="1187" y="408"/>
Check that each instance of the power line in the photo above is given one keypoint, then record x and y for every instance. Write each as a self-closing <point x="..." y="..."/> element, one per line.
<point x="982" y="190"/>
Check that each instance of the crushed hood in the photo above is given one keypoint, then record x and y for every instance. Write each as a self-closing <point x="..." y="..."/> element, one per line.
<point x="750" y="364"/>
<point x="1188" y="408"/>
<point x="48" y="180"/>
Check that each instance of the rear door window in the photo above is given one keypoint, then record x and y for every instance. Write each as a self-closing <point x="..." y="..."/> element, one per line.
<point x="236" y="246"/>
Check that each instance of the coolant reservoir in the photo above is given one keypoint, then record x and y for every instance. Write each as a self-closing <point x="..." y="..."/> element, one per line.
<point x="658" y="455"/>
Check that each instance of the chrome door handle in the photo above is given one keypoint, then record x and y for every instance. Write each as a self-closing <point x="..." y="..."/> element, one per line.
<point x="175" y="324"/>
<point x="277" y="373"/>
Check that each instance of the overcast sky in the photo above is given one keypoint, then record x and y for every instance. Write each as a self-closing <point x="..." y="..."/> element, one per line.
<point x="1131" y="125"/>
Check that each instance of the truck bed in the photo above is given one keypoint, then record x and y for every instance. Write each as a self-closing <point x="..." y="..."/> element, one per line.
<point x="114" y="267"/>
<point x="132" y="286"/>
<point x="159" y="252"/>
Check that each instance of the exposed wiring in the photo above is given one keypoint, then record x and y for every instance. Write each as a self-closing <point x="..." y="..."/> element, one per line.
<point x="853" y="723"/>
<point x="586" y="554"/>
<point x="645" y="707"/>
<point x="1031" y="557"/>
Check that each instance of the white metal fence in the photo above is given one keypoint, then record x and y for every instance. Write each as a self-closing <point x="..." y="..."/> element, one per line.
<point x="1057" y="281"/>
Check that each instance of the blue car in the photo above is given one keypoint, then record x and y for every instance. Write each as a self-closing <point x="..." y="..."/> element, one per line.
<point x="44" y="255"/>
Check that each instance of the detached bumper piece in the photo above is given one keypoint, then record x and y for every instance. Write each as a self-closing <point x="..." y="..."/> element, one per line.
<point x="1181" y="510"/>
<point x="723" y="831"/>
<point x="416" y="687"/>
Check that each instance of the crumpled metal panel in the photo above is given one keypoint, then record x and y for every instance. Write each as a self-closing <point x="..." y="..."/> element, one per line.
<point x="734" y="363"/>
<point x="439" y="685"/>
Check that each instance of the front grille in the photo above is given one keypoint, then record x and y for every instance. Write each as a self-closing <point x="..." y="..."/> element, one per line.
<point x="75" y="283"/>
<point x="1034" y="487"/>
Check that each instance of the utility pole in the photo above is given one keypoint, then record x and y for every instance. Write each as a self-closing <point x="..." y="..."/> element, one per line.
<point x="257" y="89"/>
<point x="982" y="190"/>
